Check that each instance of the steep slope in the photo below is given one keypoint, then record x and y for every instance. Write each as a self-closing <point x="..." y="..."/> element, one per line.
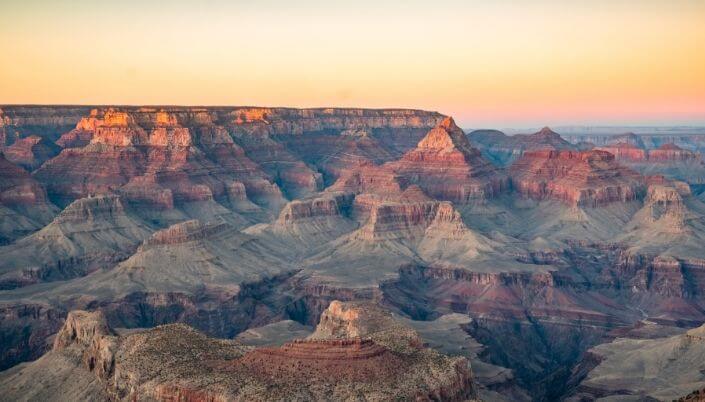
<point x="24" y="206"/>
<point x="447" y="167"/>
<point x="671" y="223"/>
<point x="307" y="224"/>
<point x="31" y="152"/>
<point x="215" y="256"/>
<point x="337" y="152"/>
<point x="90" y="234"/>
<point x="638" y="369"/>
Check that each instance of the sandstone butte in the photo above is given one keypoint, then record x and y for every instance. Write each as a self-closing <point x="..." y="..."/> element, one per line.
<point x="446" y="166"/>
<point x="443" y="165"/>
<point x="581" y="178"/>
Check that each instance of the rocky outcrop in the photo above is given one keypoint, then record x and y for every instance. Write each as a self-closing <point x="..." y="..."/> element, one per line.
<point x="31" y="152"/>
<point x="297" y="210"/>
<point x="445" y="166"/>
<point x="581" y="178"/>
<point x="90" y="332"/>
<point x="24" y="207"/>
<point x="390" y="220"/>
<point x="17" y="186"/>
<point x="177" y="361"/>
<point x="181" y="233"/>
<point x="626" y="152"/>
<point x="504" y="149"/>
<point x="89" y="234"/>
<point x="666" y="153"/>
<point x="670" y="153"/>
<point x="654" y="369"/>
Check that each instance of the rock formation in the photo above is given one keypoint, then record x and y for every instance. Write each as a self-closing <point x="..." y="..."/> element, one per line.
<point x="247" y="222"/>
<point x="89" y="234"/>
<point x="24" y="206"/>
<point x="503" y="149"/>
<point x="176" y="361"/>
<point x="31" y="152"/>
<point x="447" y="167"/>
<point x="654" y="369"/>
<point x="587" y="178"/>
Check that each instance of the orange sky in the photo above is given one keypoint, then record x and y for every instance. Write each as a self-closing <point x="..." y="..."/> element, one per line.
<point x="492" y="63"/>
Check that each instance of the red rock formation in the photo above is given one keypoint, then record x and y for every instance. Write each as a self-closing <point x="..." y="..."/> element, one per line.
<point x="666" y="153"/>
<point x="186" y="149"/>
<point x="349" y="359"/>
<point x="587" y="178"/>
<point x="183" y="232"/>
<point x="31" y="152"/>
<point x="671" y="153"/>
<point x="626" y="151"/>
<point x="335" y="154"/>
<point x="334" y="205"/>
<point x="406" y="220"/>
<point x="447" y="167"/>
<point x="17" y="187"/>
<point x="153" y="164"/>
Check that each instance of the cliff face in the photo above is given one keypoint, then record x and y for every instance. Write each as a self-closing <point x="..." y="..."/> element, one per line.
<point x="585" y="178"/>
<point x="24" y="205"/>
<point x="31" y="152"/>
<point x="447" y="167"/>
<point x="196" y="153"/>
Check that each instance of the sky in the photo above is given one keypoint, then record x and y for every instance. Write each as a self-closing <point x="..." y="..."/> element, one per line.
<point x="488" y="63"/>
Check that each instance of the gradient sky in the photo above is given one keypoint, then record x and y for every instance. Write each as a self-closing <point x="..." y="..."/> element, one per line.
<point x="488" y="63"/>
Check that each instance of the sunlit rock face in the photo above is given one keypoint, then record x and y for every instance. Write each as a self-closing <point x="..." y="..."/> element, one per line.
<point x="587" y="178"/>
<point x="196" y="152"/>
<point x="445" y="166"/>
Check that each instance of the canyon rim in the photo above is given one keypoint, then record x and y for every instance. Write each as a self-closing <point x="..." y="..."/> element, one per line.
<point x="368" y="201"/>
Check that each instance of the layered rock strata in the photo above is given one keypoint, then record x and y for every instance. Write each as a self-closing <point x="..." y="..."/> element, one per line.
<point x="176" y="361"/>
<point x="587" y="178"/>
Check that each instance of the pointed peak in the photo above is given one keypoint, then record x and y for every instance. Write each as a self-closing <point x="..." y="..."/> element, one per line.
<point x="446" y="135"/>
<point x="547" y="131"/>
<point x="448" y="123"/>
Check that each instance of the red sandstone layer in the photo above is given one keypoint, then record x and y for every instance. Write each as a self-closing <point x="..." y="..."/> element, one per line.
<point x="586" y="178"/>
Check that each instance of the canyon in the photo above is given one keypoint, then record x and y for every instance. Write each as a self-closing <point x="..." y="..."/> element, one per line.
<point x="225" y="253"/>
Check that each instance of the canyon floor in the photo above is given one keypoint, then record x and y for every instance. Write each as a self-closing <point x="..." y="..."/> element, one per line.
<point x="225" y="253"/>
